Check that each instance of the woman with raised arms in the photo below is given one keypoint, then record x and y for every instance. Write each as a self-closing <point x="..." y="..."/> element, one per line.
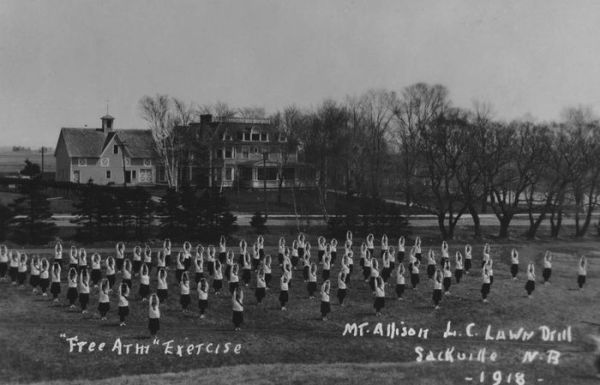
<point x="22" y="269"/>
<point x="458" y="266"/>
<point x="58" y="252"/>
<point x="261" y="247"/>
<point x="123" y="303"/>
<point x="137" y="260"/>
<point x="311" y="286"/>
<point x="73" y="258"/>
<point x="392" y="254"/>
<point x="342" y="288"/>
<point x="486" y="284"/>
<point x="234" y="279"/>
<point x="84" y="290"/>
<point x="547" y="272"/>
<point x="447" y="275"/>
<point x="148" y="257"/>
<point x="72" y="283"/>
<point x="345" y="268"/>
<point x="180" y="266"/>
<point x="153" y="315"/>
<point x="13" y="268"/>
<point x="333" y="250"/>
<point x="280" y="251"/>
<point x="110" y="272"/>
<point x="468" y="258"/>
<point x="486" y="254"/>
<point x="210" y="260"/>
<point x="55" y="285"/>
<point x="184" y="292"/>
<point x="229" y="262"/>
<point x="222" y="249"/>
<point x="261" y="285"/>
<point x="198" y="266"/>
<point x="104" y="299"/>
<point x="401" y="249"/>
<point x="284" y="291"/>
<point x="302" y="248"/>
<point x="400" y="280"/>
<point x="203" y="296"/>
<point x="305" y="266"/>
<point x="374" y="274"/>
<point x="489" y="265"/>
<point x="161" y="260"/>
<point x="414" y="272"/>
<point x="82" y="260"/>
<point x="162" y="287"/>
<point x="144" y="290"/>
<point x="384" y="245"/>
<point x="34" y="273"/>
<point x="581" y="271"/>
<point x="445" y="253"/>
<point x="418" y="249"/>
<point x="44" y="276"/>
<point x="243" y="252"/>
<point x="326" y="262"/>
<point x="3" y="262"/>
<point x="379" y="302"/>
<point x="238" y="308"/>
<point x="120" y="255"/>
<point x="96" y="269"/>
<point x="350" y="263"/>
<point x="514" y="263"/>
<point x="437" y="288"/>
<point x="530" y="285"/>
<point x="246" y="269"/>
<point x="167" y="251"/>
<point x="367" y="266"/>
<point x="363" y="256"/>
<point x="218" y="278"/>
<point x="295" y="254"/>
<point x="386" y="270"/>
<point x="371" y="244"/>
<point x="126" y="273"/>
<point x="287" y="269"/>
<point x="325" y="305"/>
<point x="187" y="254"/>
<point x="255" y="256"/>
<point x="431" y="268"/>
<point x="268" y="270"/>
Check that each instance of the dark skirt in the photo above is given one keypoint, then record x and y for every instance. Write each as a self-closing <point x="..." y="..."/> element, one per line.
<point x="418" y="256"/>
<point x="144" y="291"/>
<point x="233" y="286"/>
<point x="325" y="308"/>
<point x="72" y="295"/>
<point x="255" y="263"/>
<point x="530" y="287"/>
<point x="202" y="305"/>
<point x="414" y="280"/>
<point x="366" y="272"/>
<point x="341" y="294"/>
<point x="127" y="282"/>
<point x="514" y="269"/>
<point x="153" y="325"/>
<point x="238" y="318"/>
<point x="259" y="293"/>
<point x="162" y="294"/>
<point x="123" y="312"/>
<point x="84" y="299"/>
<point x="168" y="260"/>
<point x="458" y="273"/>
<point x="400" y="290"/>
<point x="3" y="269"/>
<point x="305" y="273"/>
<point x="211" y="267"/>
<point x="295" y="261"/>
<point x="400" y="256"/>
<point x="580" y="280"/>
<point x="136" y="266"/>
<point x="119" y="263"/>
<point x="227" y="272"/>
<point x="34" y="280"/>
<point x="179" y="274"/>
<point x="217" y="284"/>
<point x="246" y="276"/>
<point x="467" y="264"/>
<point x="379" y="304"/>
<point x="44" y="282"/>
<point x="447" y="282"/>
<point x="280" y="259"/>
<point x="546" y="273"/>
<point x="21" y="276"/>
<point x="55" y="289"/>
<point x="320" y="255"/>
<point x="300" y="252"/>
<point x="385" y="273"/>
<point x="268" y="278"/>
<point x="111" y="280"/>
<point x="485" y="290"/>
<point x="103" y="308"/>
<point x="430" y="271"/>
<point x="326" y="274"/>
<point x="333" y="257"/>
<point x="198" y="277"/>
<point x="222" y="257"/>
<point x="437" y="296"/>
<point x="184" y="300"/>
<point x="311" y="287"/>
<point x="283" y="297"/>
<point x="96" y="276"/>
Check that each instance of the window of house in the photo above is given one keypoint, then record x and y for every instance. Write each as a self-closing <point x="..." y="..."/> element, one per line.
<point x="116" y="149"/>
<point x="133" y="175"/>
<point x="228" y="152"/>
<point x="255" y="136"/>
<point x="229" y="173"/>
<point x="240" y="135"/>
<point x="247" y="135"/>
<point x="220" y="153"/>
<point x="282" y="137"/>
<point x="227" y="137"/>
<point x="255" y="150"/>
<point x="107" y="174"/>
<point x="245" y="152"/>
<point x="268" y="173"/>
<point x="264" y="137"/>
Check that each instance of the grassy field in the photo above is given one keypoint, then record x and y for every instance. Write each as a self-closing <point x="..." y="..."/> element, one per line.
<point x="14" y="161"/>
<point x="311" y="350"/>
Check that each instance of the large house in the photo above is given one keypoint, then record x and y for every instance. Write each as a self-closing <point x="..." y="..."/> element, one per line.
<point x="105" y="155"/>
<point x="240" y="152"/>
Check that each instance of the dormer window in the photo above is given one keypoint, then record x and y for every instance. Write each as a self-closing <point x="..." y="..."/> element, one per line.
<point x="116" y="149"/>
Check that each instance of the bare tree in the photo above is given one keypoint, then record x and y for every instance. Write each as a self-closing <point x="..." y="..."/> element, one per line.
<point x="163" y="114"/>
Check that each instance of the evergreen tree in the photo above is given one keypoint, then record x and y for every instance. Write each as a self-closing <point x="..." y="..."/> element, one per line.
<point x="6" y="216"/>
<point x="31" y="223"/>
<point x="85" y="210"/>
<point x="171" y="212"/>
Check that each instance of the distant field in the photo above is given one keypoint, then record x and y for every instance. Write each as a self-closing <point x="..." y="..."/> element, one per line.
<point x="315" y="351"/>
<point x="14" y="161"/>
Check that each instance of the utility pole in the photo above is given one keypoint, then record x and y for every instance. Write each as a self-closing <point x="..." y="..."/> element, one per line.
<point x="265" y="156"/>
<point x="42" y="161"/>
<point x="121" y="145"/>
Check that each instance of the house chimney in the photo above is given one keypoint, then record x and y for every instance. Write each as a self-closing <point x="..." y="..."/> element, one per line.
<point x="107" y="123"/>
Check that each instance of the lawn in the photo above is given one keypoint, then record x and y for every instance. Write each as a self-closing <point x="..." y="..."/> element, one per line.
<point x="314" y="351"/>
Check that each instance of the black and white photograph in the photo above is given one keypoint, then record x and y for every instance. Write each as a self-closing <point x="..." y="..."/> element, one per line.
<point x="299" y="192"/>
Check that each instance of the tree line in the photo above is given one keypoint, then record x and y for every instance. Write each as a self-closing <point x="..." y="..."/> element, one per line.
<point x="414" y="145"/>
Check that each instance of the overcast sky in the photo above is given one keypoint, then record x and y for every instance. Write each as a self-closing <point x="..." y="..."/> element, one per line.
<point x="60" y="61"/>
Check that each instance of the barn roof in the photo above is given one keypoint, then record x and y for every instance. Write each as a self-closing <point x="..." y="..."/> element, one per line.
<point x="90" y="142"/>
